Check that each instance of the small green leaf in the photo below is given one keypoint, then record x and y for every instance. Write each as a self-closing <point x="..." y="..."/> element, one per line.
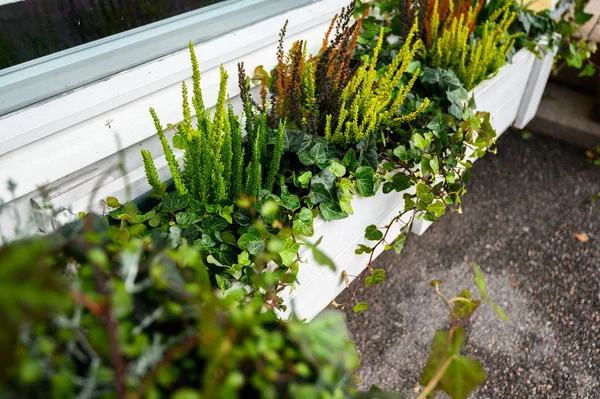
<point x="479" y="280"/>
<point x="349" y="160"/>
<point x="174" y="202"/>
<point x="289" y="201"/>
<point x="303" y="223"/>
<point x="377" y="277"/>
<point x="420" y="141"/>
<point x="365" y="181"/>
<point x="588" y="70"/>
<point x="337" y="168"/>
<point x="112" y="202"/>
<point x="225" y="212"/>
<point x="462" y="376"/>
<point x="363" y="249"/>
<point x="269" y="208"/>
<point x="304" y="178"/>
<point x="361" y="306"/>
<point x="319" y="255"/>
<point x="290" y="252"/>
<point x="330" y="211"/>
<point x="424" y="193"/>
<point x="372" y="233"/>
<point x="398" y="243"/>
<point x="438" y="208"/>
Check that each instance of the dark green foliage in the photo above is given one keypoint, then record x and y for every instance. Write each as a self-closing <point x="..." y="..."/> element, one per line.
<point x="218" y="167"/>
<point x="142" y="321"/>
<point x="275" y="158"/>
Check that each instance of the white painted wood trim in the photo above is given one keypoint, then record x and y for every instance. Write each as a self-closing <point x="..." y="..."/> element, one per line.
<point x="542" y="67"/>
<point x="58" y="73"/>
<point x="86" y="129"/>
<point x="318" y="285"/>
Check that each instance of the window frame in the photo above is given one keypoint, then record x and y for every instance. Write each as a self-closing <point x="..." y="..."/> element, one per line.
<point x="84" y="135"/>
<point x="42" y="78"/>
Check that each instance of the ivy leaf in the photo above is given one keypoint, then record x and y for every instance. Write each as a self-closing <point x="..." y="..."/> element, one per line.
<point x="424" y="193"/>
<point x="319" y="193"/>
<point x="345" y="196"/>
<point x="372" y="233"/>
<point x="179" y="142"/>
<point x="361" y="306"/>
<point x="295" y="140"/>
<point x="398" y="243"/>
<point x="438" y="208"/>
<point x="304" y="178"/>
<point x="303" y="223"/>
<point x="331" y="211"/>
<point x="588" y="70"/>
<point x="315" y="155"/>
<point x="255" y="247"/>
<point x="399" y="182"/>
<point x="377" y="277"/>
<point x="290" y="251"/>
<point x="365" y="182"/>
<point x="434" y="165"/>
<point x="444" y="79"/>
<point x="248" y="242"/>
<point x="225" y="212"/>
<point x="463" y="374"/>
<point x="363" y="249"/>
<point x="350" y="161"/>
<point x="289" y="201"/>
<point x="420" y="141"/>
<point x="401" y="153"/>
<point x="337" y="168"/>
<point x="325" y="177"/>
<point x="174" y="202"/>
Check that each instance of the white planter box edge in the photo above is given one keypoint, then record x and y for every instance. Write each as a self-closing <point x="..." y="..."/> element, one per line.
<point x="501" y="96"/>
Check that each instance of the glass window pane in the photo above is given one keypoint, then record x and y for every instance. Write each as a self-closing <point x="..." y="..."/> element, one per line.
<point x="79" y="56"/>
<point x="34" y="28"/>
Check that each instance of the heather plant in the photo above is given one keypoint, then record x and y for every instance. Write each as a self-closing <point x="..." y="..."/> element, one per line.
<point x="223" y="196"/>
<point x="327" y="97"/>
<point x="217" y="166"/>
<point x="450" y="45"/>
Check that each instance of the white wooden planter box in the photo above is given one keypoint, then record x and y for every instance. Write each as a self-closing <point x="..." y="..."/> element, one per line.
<point x="318" y="285"/>
<point x="542" y="67"/>
<point x="508" y="95"/>
<point x="511" y="96"/>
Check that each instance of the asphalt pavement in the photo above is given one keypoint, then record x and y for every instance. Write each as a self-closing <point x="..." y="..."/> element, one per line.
<point x="529" y="224"/>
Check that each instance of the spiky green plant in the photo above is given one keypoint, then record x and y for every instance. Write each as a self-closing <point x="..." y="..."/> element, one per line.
<point x="214" y="158"/>
<point x="367" y="101"/>
<point x="151" y="172"/>
<point x="472" y="58"/>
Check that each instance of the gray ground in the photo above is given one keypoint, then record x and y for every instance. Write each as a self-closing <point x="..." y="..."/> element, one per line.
<point x="522" y="209"/>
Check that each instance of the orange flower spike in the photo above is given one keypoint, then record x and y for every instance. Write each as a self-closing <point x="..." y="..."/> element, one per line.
<point x="326" y="38"/>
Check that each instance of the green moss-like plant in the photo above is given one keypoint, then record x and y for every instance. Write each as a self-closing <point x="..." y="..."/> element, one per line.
<point x="453" y="47"/>
<point x="214" y="157"/>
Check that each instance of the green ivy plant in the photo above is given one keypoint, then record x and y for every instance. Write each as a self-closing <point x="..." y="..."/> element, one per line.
<point x="142" y="321"/>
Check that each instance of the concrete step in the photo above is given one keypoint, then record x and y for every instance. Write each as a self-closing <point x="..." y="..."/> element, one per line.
<point x="568" y="115"/>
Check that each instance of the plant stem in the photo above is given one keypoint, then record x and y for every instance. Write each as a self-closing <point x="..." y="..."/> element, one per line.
<point x="436" y="378"/>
